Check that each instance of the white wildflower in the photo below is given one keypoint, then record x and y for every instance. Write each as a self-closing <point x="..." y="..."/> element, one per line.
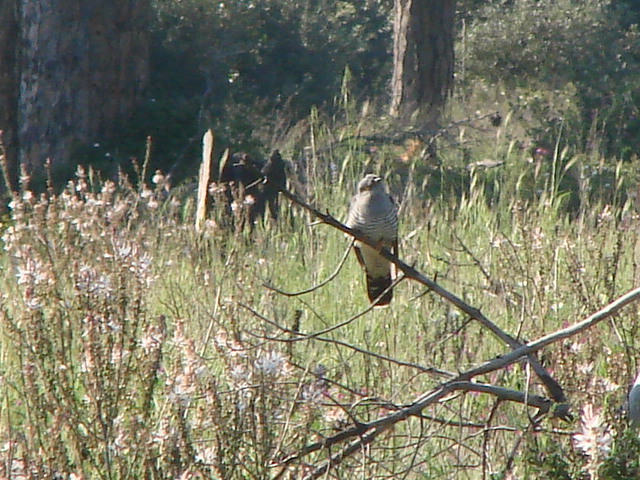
<point x="557" y="306"/>
<point x="586" y="368"/>
<point x="146" y="193"/>
<point x="206" y="455"/>
<point x="109" y="187"/>
<point x="217" y="189"/>
<point x="240" y="376"/>
<point x="92" y="282"/>
<point x="34" y="303"/>
<point x="119" y="355"/>
<point x="183" y="388"/>
<point x="158" y="178"/>
<point x="141" y="264"/>
<point x="594" y="440"/>
<point x="123" y="250"/>
<point x="272" y="364"/>
<point x="32" y="271"/>
<point x="149" y="343"/>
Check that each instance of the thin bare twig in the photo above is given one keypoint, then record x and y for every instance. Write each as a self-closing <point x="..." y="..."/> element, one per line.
<point x="367" y="432"/>
<point x="302" y="336"/>
<point x="319" y="285"/>
<point x="476" y="261"/>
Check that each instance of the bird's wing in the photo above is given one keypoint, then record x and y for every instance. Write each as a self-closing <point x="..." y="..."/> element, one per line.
<point x="359" y="255"/>
<point x="352" y="203"/>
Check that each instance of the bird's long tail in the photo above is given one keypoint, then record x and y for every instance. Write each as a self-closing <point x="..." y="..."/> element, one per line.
<point x="377" y="285"/>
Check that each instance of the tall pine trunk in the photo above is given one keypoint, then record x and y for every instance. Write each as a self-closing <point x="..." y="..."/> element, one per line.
<point x="69" y="72"/>
<point x="9" y="89"/>
<point x="423" y="59"/>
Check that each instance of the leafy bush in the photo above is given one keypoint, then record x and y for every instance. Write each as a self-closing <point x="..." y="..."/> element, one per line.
<point x="80" y="332"/>
<point x="579" y="52"/>
<point x="100" y="385"/>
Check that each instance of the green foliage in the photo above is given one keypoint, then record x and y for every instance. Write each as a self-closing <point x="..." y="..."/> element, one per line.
<point x="549" y="459"/>
<point x="251" y="69"/>
<point x="580" y="54"/>
<point x="565" y="71"/>
<point x="74" y="331"/>
<point x="624" y="463"/>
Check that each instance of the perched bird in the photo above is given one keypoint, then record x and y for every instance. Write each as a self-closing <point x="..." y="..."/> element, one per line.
<point x="373" y="213"/>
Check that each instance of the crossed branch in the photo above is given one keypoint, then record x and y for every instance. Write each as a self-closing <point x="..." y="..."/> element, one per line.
<point x="362" y="434"/>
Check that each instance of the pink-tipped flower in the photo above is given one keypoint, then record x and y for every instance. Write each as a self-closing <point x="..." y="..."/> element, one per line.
<point x="594" y="440"/>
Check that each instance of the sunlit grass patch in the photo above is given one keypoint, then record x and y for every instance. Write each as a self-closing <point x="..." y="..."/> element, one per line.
<point x="133" y="346"/>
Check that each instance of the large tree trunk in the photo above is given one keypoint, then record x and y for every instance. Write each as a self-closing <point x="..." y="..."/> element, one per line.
<point x="78" y="68"/>
<point x="422" y="58"/>
<point x="9" y="89"/>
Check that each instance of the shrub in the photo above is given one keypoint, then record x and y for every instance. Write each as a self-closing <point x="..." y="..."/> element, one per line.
<point x="579" y="51"/>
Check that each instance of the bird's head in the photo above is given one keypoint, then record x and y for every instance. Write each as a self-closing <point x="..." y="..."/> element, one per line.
<point x="370" y="182"/>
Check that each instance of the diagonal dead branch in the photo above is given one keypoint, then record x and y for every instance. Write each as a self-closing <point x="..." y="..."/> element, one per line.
<point x="554" y="389"/>
<point x="570" y="331"/>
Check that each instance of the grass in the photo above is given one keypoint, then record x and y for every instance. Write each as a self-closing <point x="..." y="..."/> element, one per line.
<point x="132" y="347"/>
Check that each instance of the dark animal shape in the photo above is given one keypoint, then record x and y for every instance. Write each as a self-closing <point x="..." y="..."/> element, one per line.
<point x="275" y="173"/>
<point x="251" y="185"/>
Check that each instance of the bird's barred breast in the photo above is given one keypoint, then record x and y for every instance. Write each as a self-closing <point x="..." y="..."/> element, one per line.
<point x="381" y="228"/>
<point x="378" y="224"/>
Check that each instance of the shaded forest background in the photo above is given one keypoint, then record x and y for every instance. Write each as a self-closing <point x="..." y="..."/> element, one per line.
<point x="253" y="71"/>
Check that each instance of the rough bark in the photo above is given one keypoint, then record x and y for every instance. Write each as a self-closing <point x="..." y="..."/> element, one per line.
<point x="423" y="58"/>
<point x="9" y="87"/>
<point x="74" y="69"/>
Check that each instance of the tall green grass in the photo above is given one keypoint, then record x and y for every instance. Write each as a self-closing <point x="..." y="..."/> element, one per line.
<point x="133" y="347"/>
